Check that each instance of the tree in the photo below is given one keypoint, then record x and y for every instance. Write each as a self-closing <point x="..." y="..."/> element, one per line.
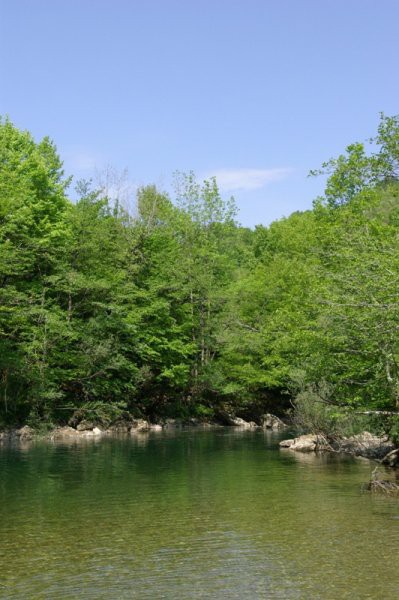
<point x="358" y="171"/>
<point x="33" y="237"/>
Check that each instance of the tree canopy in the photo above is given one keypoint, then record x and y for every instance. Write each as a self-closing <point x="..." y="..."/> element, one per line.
<point x="178" y="310"/>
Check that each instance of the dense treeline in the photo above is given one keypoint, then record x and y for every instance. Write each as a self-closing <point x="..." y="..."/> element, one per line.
<point x="178" y="310"/>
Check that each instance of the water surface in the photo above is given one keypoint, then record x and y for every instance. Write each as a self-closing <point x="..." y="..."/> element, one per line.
<point x="192" y="514"/>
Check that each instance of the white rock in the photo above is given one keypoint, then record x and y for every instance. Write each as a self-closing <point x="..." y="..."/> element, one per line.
<point x="156" y="427"/>
<point x="238" y="422"/>
<point x="303" y="443"/>
<point x="140" y="425"/>
<point x="270" y="421"/>
<point x="286" y="443"/>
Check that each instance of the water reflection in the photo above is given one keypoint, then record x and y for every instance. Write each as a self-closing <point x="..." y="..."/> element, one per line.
<point x="212" y="514"/>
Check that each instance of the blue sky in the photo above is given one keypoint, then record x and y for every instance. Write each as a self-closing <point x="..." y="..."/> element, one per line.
<point x="256" y="92"/>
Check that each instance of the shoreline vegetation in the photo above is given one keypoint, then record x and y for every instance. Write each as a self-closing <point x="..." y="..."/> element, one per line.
<point x="170" y="309"/>
<point x="86" y="429"/>
<point x="377" y="449"/>
<point x="365" y="445"/>
<point x="380" y="450"/>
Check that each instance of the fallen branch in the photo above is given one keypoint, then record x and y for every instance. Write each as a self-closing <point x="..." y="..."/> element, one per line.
<point x="377" y="412"/>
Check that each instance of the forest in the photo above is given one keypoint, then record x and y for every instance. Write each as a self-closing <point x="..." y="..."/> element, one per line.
<point x="174" y="309"/>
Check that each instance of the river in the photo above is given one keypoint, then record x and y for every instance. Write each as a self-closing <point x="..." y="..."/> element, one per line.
<point x="192" y="514"/>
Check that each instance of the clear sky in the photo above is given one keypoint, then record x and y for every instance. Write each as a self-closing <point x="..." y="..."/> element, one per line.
<point x="257" y="91"/>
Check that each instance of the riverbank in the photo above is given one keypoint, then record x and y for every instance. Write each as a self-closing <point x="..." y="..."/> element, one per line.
<point x="364" y="445"/>
<point x="87" y="429"/>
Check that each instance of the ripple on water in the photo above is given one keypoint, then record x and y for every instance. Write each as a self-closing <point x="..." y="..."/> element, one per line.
<point x="219" y="514"/>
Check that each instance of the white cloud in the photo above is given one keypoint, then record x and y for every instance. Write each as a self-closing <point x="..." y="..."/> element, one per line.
<point x="247" y="179"/>
<point x="83" y="161"/>
<point x="78" y="159"/>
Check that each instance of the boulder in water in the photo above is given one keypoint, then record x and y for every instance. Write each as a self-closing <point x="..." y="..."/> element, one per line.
<point x="303" y="443"/>
<point x="270" y="421"/>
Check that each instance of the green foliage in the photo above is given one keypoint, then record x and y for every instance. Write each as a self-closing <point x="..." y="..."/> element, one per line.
<point x="356" y="171"/>
<point x="97" y="412"/>
<point x="394" y="430"/>
<point x="179" y="311"/>
<point x="315" y="410"/>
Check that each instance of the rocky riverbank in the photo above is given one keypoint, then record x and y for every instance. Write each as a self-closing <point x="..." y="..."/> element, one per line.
<point x="365" y="445"/>
<point x="87" y="429"/>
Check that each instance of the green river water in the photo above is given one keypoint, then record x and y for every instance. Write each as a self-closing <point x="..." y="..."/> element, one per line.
<point x="192" y="514"/>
